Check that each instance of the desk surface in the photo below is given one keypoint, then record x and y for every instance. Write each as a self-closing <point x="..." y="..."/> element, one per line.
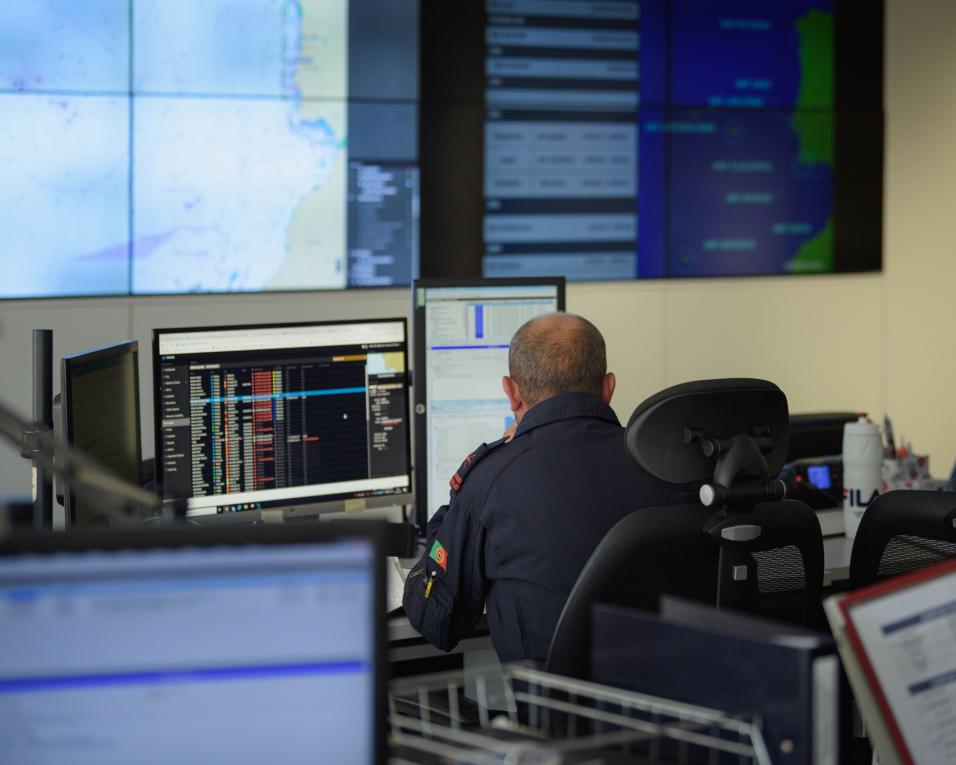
<point x="831" y="522"/>
<point x="837" y="549"/>
<point x="836" y="559"/>
<point x="405" y="643"/>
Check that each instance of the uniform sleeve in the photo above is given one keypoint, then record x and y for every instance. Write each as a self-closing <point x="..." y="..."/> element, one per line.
<point x="445" y="590"/>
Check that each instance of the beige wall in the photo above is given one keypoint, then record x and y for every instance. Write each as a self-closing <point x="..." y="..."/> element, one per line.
<point x="818" y="338"/>
<point x="878" y="342"/>
<point x="919" y="283"/>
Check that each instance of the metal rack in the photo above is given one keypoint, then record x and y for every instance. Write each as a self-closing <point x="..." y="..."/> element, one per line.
<point x="532" y="717"/>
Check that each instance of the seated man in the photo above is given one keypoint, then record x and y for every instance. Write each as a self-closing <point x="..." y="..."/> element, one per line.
<point x="527" y="511"/>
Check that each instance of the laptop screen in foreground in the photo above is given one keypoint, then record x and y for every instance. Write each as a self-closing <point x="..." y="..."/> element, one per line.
<point x="249" y="653"/>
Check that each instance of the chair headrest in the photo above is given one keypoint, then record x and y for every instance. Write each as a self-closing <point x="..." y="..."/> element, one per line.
<point x="718" y="409"/>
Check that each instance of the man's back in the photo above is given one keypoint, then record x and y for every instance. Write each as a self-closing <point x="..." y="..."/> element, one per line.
<point x="583" y="482"/>
<point x="525" y="514"/>
<point x="549" y="497"/>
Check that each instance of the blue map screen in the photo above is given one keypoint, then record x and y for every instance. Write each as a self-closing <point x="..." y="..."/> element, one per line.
<point x="747" y="132"/>
<point x="169" y="146"/>
<point x="732" y="110"/>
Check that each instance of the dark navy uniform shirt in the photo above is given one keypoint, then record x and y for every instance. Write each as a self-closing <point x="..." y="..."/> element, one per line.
<point x="523" y="520"/>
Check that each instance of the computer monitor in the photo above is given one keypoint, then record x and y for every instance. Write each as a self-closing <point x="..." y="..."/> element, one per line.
<point x="239" y="644"/>
<point x="291" y="419"/>
<point x="817" y="434"/>
<point x="462" y="332"/>
<point x="99" y="413"/>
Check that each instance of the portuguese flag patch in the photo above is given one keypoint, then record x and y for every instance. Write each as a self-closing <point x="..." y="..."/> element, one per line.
<point x="440" y="555"/>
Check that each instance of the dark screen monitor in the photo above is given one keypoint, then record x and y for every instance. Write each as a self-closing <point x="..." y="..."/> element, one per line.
<point x="462" y="332"/>
<point x="240" y="644"/>
<point x="292" y="419"/>
<point x="817" y="434"/>
<point x="99" y="400"/>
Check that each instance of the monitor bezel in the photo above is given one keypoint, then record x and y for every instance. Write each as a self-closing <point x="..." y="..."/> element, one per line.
<point x="68" y="368"/>
<point x="420" y="366"/>
<point x="145" y="538"/>
<point x="295" y="509"/>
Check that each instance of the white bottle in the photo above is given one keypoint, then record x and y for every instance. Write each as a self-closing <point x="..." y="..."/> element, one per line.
<point x="862" y="470"/>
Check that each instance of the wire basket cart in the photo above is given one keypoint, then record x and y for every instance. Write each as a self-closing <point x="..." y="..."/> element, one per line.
<point x="525" y="716"/>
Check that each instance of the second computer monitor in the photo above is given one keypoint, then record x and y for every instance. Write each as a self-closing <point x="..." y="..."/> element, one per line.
<point x="292" y="417"/>
<point x="462" y="332"/>
<point x="100" y="414"/>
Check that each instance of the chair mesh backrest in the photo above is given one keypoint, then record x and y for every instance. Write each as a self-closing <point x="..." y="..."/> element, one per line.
<point x="908" y="553"/>
<point x="781" y="583"/>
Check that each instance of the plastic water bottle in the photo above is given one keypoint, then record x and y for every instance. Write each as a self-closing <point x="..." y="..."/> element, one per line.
<point x="862" y="470"/>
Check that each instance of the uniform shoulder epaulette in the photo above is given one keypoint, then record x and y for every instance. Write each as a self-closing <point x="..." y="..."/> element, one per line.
<point x="458" y="479"/>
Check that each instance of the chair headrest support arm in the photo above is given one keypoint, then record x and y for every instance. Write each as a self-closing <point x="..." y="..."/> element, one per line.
<point x="735" y="456"/>
<point x="743" y="459"/>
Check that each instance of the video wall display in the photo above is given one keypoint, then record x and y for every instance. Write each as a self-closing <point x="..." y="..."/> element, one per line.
<point x="176" y="146"/>
<point x="668" y="138"/>
<point x="169" y="146"/>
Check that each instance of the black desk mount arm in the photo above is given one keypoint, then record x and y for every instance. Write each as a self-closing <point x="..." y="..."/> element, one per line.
<point x="122" y="501"/>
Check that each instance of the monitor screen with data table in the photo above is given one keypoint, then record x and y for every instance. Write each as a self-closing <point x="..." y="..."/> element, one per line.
<point x="291" y="418"/>
<point x="462" y="333"/>
<point x="239" y="644"/>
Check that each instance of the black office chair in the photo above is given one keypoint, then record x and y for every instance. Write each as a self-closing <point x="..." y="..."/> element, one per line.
<point x="903" y="531"/>
<point x="743" y="546"/>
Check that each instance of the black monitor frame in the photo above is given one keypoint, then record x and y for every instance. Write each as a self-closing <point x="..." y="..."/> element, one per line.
<point x="296" y="508"/>
<point x="69" y="366"/>
<point x="152" y="538"/>
<point x="421" y="382"/>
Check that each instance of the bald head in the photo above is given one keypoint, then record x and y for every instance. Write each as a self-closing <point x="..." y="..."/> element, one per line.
<point x="557" y="353"/>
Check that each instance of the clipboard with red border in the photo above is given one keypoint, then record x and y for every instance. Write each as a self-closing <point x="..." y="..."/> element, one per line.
<point x="883" y="728"/>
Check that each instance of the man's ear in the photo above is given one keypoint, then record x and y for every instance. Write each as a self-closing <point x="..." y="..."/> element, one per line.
<point x="607" y="387"/>
<point x="510" y="387"/>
